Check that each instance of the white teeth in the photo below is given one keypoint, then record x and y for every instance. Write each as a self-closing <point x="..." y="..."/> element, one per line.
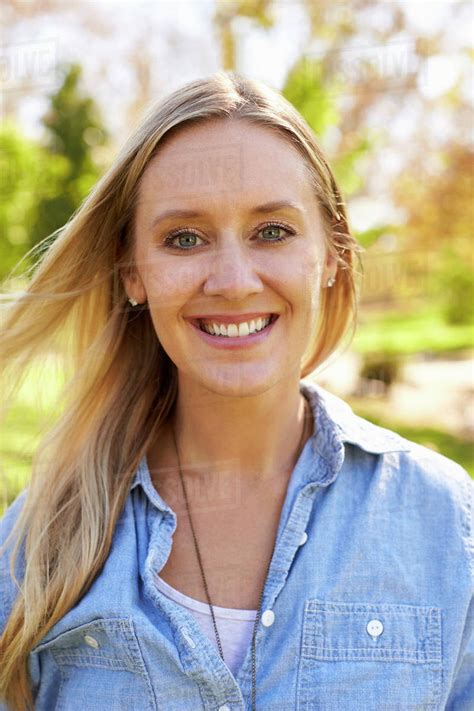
<point x="232" y="330"/>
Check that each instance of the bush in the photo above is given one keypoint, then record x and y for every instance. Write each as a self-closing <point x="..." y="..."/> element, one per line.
<point x="383" y="367"/>
<point x="457" y="289"/>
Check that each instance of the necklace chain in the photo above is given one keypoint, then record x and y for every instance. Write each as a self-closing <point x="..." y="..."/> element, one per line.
<point x="198" y="554"/>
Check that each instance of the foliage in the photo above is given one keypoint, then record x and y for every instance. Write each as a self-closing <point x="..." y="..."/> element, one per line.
<point x="257" y="12"/>
<point x="455" y="281"/>
<point x="28" y="418"/>
<point x="381" y="366"/>
<point x="439" y="216"/>
<point x="339" y="94"/>
<point x="43" y="182"/>
<point x="306" y="89"/>
<point x="73" y="131"/>
<point x="27" y="175"/>
<point x="370" y="236"/>
<point x="420" y="330"/>
<point x="315" y="94"/>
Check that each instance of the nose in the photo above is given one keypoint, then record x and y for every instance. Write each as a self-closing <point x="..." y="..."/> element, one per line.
<point x="232" y="272"/>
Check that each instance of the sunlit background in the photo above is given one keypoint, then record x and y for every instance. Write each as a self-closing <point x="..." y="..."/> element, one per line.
<point x="388" y="89"/>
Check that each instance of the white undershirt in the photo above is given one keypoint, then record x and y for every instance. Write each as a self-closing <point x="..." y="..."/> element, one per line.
<point x="235" y="627"/>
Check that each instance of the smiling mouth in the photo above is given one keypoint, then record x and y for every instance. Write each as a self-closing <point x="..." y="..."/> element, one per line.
<point x="210" y="331"/>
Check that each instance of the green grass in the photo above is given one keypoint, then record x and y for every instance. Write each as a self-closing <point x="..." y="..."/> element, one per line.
<point x="20" y="437"/>
<point x="22" y="429"/>
<point x="401" y="333"/>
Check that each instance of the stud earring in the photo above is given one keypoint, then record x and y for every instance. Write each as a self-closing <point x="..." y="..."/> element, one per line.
<point x="132" y="301"/>
<point x="331" y="281"/>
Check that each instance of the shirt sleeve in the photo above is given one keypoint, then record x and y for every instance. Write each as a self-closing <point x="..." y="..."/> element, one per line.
<point x="461" y="695"/>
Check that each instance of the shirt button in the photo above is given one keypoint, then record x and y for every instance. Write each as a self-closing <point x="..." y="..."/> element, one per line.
<point x="268" y="618"/>
<point x="224" y="708"/>
<point x="303" y="538"/>
<point x="375" y="628"/>
<point x="91" y="641"/>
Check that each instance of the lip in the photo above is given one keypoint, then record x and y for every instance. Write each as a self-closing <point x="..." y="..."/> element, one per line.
<point x="231" y="318"/>
<point x="232" y="343"/>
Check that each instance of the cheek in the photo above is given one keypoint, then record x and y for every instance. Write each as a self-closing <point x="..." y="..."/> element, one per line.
<point x="168" y="286"/>
<point x="309" y="289"/>
<point x="314" y="286"/>
<point x="305" y="276"/>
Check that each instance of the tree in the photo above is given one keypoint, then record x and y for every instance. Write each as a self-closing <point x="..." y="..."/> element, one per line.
<point x="258" y="12"/>
<point x="74" y="131"/>
<point x="439" y="212"/>
<point x="42" y="183"/>
<point x="27" y="175"/>
<point x="315" y="94"/>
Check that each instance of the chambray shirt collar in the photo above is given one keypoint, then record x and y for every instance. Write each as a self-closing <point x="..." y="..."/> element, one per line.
<point x="335" y="425"/>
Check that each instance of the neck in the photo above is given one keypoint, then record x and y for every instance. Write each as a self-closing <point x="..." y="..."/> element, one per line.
<point x="252" y="440"/>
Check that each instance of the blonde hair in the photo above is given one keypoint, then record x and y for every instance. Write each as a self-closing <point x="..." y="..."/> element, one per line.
<point x="123" y="385"/>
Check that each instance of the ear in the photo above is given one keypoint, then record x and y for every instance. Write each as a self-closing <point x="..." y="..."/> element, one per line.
<point x="330" y="268"/>
<point x="133" y="283"/>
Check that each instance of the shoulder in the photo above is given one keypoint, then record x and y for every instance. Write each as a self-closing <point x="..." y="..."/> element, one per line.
<point x="442" y="473"/>
<point x="424" y="484"/>
<point x="404" y="473"/>
<point x="413" y="464"/>
<point x="445" y="485"/>
<point x="337" y="416"/>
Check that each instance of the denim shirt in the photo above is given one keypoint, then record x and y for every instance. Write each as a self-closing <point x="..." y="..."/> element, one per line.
<point x="370" y="586"/>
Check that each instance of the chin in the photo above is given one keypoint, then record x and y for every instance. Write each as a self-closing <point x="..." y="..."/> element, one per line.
<point x="235" y="382"/>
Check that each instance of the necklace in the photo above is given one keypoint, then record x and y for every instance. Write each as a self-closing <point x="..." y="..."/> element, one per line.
<point x="198" y="554"/>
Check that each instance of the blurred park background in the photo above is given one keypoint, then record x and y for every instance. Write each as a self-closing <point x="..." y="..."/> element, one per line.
<point x="388" y="89"/>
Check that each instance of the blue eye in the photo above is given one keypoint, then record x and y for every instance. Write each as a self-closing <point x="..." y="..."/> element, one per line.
<point x="176" y="235"/>
<point x="274" y="226"/>
<point x="190" y="232"/>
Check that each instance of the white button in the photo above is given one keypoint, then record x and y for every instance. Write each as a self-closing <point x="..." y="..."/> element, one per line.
<point x="188" y="637"/>
<point x="303" y="538"/>
<point x="268" y="618"/>
<point x="224" y="708"/>
<point x="374" y="628"/>
<point x="91" y="641"/>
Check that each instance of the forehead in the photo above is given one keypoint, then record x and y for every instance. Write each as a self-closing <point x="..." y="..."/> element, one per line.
<point x="224" y="161"/>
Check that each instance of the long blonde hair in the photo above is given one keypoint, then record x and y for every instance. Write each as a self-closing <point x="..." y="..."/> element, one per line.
<point x="122" y="384"/>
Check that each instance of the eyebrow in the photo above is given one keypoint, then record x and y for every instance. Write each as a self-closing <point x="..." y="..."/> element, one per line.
<point x="258" y="209"/>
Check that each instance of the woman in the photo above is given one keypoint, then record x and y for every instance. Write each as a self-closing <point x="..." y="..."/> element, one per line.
<point x="204" y="528"/>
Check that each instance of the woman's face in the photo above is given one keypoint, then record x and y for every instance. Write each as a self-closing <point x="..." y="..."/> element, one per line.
<point x="227" y="258"/>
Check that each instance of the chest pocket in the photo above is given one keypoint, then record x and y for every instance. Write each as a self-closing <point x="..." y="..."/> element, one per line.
<point x="97" y="665"/>
<point x="368" y="657"/>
